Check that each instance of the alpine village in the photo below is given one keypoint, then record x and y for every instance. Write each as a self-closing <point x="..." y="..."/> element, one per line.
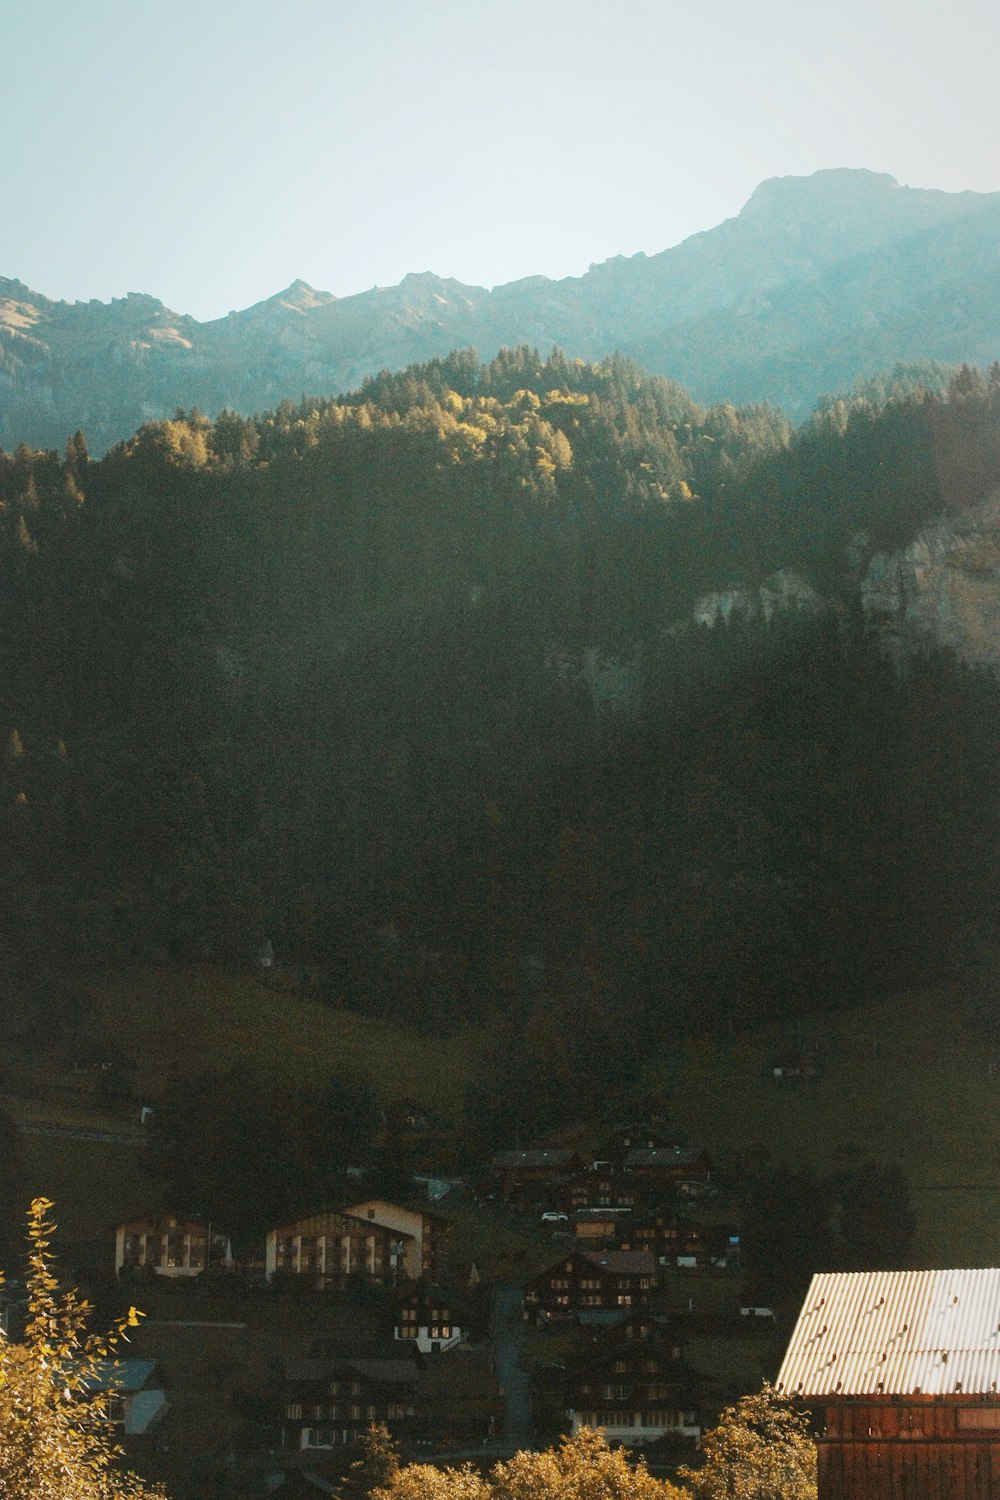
<point x="500" y="879"/>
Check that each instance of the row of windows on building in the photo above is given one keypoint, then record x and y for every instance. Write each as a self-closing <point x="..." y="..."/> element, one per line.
<point x="621" y="1392"/>
<point x="593" y="1299"/>
<point x="638" y="1419"/>
<point x="295" y="1411"/>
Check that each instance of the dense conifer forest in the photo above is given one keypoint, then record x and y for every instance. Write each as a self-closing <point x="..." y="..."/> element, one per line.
<point x="410" y="684"/>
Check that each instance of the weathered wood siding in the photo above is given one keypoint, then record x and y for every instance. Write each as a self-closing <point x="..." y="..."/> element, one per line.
<point x="911" y="1450"/>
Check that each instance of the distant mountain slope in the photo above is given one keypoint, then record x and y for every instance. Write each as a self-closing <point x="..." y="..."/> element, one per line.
<point x="816" y="281"/>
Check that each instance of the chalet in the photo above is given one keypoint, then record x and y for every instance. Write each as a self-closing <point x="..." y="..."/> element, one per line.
<point x="601" y="1226"/>
<point x="459" y="1402"/>
<point x="429" y="1319"/>
<point x="329" y="1404"/>
<point x="425" y="1234"/>
<point x="902" y="1368"/>
<point x="637" y="1394"/>
<point x="591" y="1279"/>
<point x="519" y="1171"/>
<point x="328" y="1247"/>
<point x="596" y="1187"/>
<point x="136" y="1398"/>
<point x="645" y="1135"/>
<point x="170" y="1245"/>
<point x="675" y="1240"/>
<point x="680" y="1169"/>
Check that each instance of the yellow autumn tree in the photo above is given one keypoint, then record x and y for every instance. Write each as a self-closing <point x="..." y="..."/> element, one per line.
<point x="55" y="1436"/>
<point x="582" y="1467"/>
<point x="761" y="1450"/>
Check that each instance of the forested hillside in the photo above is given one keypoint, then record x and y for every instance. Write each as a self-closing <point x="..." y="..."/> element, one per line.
<point x="408" y="684"/>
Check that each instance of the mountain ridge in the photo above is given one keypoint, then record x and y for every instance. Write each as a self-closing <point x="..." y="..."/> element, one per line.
<point x="816" y="281"/>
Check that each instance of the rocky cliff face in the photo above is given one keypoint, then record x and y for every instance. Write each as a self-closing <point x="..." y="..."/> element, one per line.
<point x="816" y="281"/>
<point x="943" y="589"/>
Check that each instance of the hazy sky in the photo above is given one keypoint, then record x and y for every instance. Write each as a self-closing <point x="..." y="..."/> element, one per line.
<point x="211" y="152"/>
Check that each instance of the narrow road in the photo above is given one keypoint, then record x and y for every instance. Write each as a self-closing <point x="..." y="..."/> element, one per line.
<point x="508" y="1328"/>
<point x="79" y="1133"/>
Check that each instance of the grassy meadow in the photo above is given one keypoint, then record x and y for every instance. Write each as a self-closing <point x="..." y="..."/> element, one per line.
<point x="913" y="1079"/>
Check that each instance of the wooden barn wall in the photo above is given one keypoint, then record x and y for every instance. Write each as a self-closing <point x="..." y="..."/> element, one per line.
<point x="909" y="1469"/>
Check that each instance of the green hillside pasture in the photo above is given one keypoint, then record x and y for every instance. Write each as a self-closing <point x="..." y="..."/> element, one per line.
<point x="914" y="1080"/>
<point x="176" y="1023"/>
<point x="94" y="1185"/>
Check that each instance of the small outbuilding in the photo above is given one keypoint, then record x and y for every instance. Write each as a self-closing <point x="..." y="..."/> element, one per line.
<point x="902" y="1369"/>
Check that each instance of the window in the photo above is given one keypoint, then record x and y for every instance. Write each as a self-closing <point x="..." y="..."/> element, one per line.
<point x="396" y="1411"/>
<point x="293" y="1411"/>
<point x="624" y="1300"/>
<point x="659" y="1419"/>
<point x="319" y="1437"/>
<point x="620" y="1366"/>
<point x="356" y="1412"/>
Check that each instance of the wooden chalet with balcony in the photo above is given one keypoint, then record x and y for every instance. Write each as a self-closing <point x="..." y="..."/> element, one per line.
<point x="170" y="1245"/>
<point x="521" y="1172"/>
<point x="902" y="1370"/>
<point x="424" y="1234"/>
<point x="429" y="1319"/>
<point x="637" y="1393"/>
<point x="588" y="1279"/>
<point x="329" y="1404"/>
<point x="675" y="1240"/>
<point x="329" y="1247"/>
<point x="685" y="1170"/>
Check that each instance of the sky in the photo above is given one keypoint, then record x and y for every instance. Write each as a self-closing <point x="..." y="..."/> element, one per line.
<point x="210" y="153"/>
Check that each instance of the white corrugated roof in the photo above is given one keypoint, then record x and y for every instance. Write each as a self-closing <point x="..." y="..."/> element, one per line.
<point x="869" y="1333"/>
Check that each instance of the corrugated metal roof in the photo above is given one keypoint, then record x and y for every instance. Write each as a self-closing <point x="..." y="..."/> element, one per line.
<point x="867" y="1333"/>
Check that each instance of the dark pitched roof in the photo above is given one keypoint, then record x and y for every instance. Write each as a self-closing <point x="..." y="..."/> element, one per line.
<point x="622" y="1262"/>
<point x="665" y="1156"/>
<point x="382" y="1371"/>
<point x="506" y="1161"/>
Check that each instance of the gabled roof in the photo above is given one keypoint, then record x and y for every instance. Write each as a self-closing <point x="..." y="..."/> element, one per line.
<point x="124" y="1375"/>
<point x="332" y="1220"/>
<point x="380" y="1371"/>
<point x="622" y="1262"/>
<point x="867" y="1333"/>
<point x="665" y="1156"/>
<point x="506" y="1161"/>
<point x="419" y="1209"/>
